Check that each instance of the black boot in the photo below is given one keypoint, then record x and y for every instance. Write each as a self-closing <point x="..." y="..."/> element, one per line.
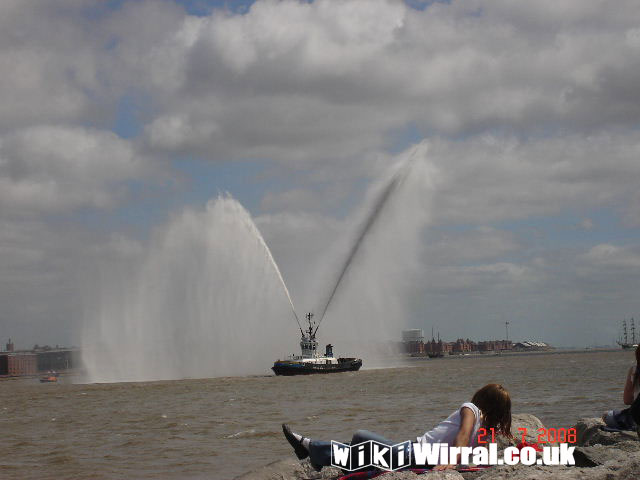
<point x="298" y="448"/>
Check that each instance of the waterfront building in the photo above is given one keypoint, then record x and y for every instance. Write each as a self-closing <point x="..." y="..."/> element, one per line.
<point x="38" y="360"/>
<point x="463" y="346"/>
<point x="18" y="363"/>
<point x="413" y="340"/>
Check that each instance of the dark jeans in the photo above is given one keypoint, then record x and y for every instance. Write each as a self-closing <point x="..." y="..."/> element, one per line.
<point x="320" y="452"/>
<point x="620" y="419"/>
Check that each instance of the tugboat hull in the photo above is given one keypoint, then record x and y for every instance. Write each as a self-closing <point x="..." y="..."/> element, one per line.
<point x="289" y="367"/>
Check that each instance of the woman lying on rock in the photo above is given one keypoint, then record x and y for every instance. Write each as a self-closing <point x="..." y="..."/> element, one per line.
<point x="490" y="407"/>
<point x="622" y="419"/>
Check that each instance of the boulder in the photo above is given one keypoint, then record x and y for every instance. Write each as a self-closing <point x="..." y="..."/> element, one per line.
<point x="444" y="475"/>
<point x="536" y="472"/>
<point x="600" y="454"/>
<point x="590" y="433"/>
<point x="518" y="421"/>
<point x="290" y="469"/>
<point x="631" y="469"/>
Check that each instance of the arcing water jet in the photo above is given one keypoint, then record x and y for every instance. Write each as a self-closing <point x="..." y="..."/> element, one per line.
<point x="370" y="220"/>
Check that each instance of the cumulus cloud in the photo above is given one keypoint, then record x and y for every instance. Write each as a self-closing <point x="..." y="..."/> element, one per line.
<point x="287" y="76"/>
<point x="496" y="177"/>
<point x="51" y="168"/>
<point x="478" y="244"/>
<point x="607" y="255"/>
<point x="587" y="224"/>
<point x="530" y="111"/>
<point x="50" y="64"/>
<point x="40" y="268"/>
<point x="476" y="279"/>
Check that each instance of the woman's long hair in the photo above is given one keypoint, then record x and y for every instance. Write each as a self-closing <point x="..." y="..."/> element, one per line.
<point x="494" y="402"/>
<point x="636" y="379"/>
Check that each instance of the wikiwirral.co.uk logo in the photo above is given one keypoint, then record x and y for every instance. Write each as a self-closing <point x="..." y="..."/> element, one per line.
<point x="393" y="457"/>
<point x="370" y="454"/>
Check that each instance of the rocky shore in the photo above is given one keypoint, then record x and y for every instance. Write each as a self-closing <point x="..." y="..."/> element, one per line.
<point x="599" y="455"/>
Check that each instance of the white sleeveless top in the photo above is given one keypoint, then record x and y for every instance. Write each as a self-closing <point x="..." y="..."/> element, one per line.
<point x="447" y="430"/>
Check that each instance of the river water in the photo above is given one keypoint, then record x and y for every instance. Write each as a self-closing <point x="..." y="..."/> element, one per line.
<point x="219" y="428"/>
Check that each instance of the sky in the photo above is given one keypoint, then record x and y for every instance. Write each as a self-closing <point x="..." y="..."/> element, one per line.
<point x="117" y="116"/>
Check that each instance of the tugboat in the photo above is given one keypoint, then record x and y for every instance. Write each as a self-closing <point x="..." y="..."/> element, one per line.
<point x="311" y="361"/>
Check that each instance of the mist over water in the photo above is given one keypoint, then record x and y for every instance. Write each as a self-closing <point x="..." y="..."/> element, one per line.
<point x="207" y="299"/>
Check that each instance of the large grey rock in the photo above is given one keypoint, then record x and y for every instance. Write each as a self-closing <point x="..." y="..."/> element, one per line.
<point x="528" y="421"/>
<point x="443" y="475"/>
<point x="590" y="433"/>
<point x="521" y="420"/>
<point x="535" y="472"/>
<point x="631" y="469"/>
<point x="278" y="470"/>
<point x="290" y="469"/>
<point x="594" y="455"/>
<point x="618" y="466"/>
<point x="301" y="470"/>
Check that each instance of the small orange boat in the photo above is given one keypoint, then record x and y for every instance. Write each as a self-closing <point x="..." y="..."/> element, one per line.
<point x="49" y="378"/>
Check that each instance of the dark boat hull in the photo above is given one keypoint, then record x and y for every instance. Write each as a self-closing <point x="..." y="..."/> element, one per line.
<point x="289" y="368"/>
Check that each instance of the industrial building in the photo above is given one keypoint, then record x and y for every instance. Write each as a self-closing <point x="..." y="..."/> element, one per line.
<point x="18" y="363"/>
<point x="32" y="362"/>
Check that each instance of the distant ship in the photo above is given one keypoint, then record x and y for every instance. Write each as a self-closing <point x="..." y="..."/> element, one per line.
<point x="624" y="340"/>
<point x="311" y="361"/>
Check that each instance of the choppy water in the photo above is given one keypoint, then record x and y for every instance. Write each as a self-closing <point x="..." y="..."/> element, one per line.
<point x="219" y="428"/>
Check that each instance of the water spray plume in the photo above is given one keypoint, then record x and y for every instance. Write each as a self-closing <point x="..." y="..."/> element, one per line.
<point x="204" y="299"/>
<point x="370" y="220"/>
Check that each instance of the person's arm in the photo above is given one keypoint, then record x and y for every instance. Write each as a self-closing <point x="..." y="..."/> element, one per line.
<point x="627" y="397"/>
<point x="463" y="438"/>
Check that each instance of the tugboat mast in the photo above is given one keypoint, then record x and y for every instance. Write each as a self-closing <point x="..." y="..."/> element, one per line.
<point x="308" y="343"/>
<point x="309" y="316"/>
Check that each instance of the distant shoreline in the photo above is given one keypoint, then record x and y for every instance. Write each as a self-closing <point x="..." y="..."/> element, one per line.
<point x="505" y="353"/>
<point x="395" y="361"/>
